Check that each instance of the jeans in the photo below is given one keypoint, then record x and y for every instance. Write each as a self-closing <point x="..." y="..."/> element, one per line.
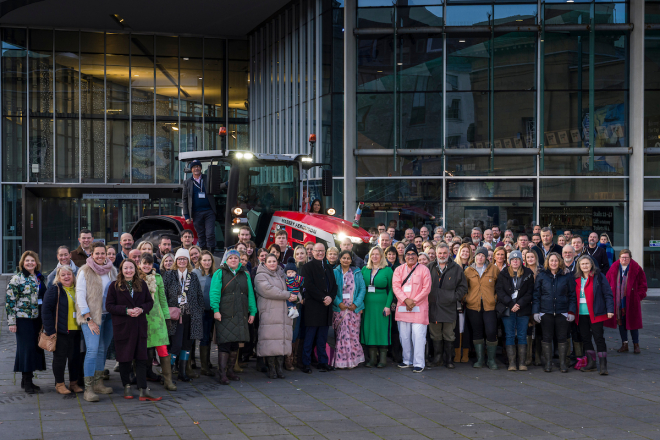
<point x="624" y="334"/>
<point x="204" y="223"/>
<point x="67" y="349"/>
<point x="515" y="324"/>
<point x="97" y="345"/>
<point x="321" y="334"/>
<point x="483" y="322"/>
<point x="208" y="323"/>
<point x="554" y="325"/>
<point x="589" y="329"/>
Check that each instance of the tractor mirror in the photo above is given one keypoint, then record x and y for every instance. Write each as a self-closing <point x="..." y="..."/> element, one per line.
<point x="215" y="179"/>
<point x="326" y="178"/>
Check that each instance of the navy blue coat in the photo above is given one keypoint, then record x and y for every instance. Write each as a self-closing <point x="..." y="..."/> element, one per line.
<point x="554" y="294"/>
<point x="49" y="307"/>
<point x="603" y="297"/>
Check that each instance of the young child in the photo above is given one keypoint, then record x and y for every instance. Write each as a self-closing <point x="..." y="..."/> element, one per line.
<point x="293" y="285"/>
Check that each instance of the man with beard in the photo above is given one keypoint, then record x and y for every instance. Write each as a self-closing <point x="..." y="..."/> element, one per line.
<point x="476" y="237"/>
<point x="597" y="253"/>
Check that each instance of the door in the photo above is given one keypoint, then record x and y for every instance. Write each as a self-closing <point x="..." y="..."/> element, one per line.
<point x="652" y="247"/>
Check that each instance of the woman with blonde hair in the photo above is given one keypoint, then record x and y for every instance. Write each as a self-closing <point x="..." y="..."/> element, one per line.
<point x="332" y="254"/>
<point x="378" y="298"/>
<point x="462" y="340"/>
<point x="464" y="255"/>
<point x="499" y="258"/>
<point x="148" y="248"/>
<point x="166" y="263"/>
<point x="195" y="254"/>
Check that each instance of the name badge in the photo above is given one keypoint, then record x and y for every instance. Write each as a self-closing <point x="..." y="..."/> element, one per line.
<point x="515" y="294"/>
<point x="346" y="296"/>
<point x="40" y="302"/>
<point x="201" y="195"/>
<point x="407" y="289"/>
<point x="74" y="315"/>
<point x="372" y="289"/>
<point x="182" y="300"/>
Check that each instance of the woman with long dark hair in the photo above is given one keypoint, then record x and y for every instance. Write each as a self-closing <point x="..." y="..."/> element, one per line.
<point x="204" y="272"/>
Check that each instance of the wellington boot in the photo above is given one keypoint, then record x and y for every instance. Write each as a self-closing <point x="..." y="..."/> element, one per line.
<point x="602" y="357"/>
<point x="99" y="388"/>
<point x="204" y="354"/>
<point x="448" y="346"/>
<point x="538" y="353"/>
<point x="223" y="358"/>
<point x="466" y="355"/>
<point x="511" y="355"/>
<point x="382" y="361"/>
<point x="562" y="348"/>
<point x="90" y="395"/>
<point x="373" y="353"/>
<point x="479" y="348"/>
<point x="145" y="394"/>
<point x="261" y="364"/>
<point x="437" y="361"/>
<point x="189" y="370"/>
<point x="279" y="360"/>
<point x="127" y="392"/>
<point x="491" y="351"/>
<point x="183" y="373"/>
<point x="231" y="375"/>
<point x="294" y="354"/>
<point x="523" y="350"/>
<point x="591" y="362"/>
<point x="165" y="364"/>
<point x="61" y="388"/>
<point x="547" y="356"/>
<point x="530" y="348"/>
<point x="272" y="372"/>
<point x="237" y="365"/>
<point x="578" y="347"/>
<point x="74" y="387"/>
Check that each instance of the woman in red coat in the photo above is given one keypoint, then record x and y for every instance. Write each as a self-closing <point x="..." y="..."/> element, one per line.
<point x="628" y="282"/>
<point x="595" y="306"/>
<point x="128" y="302"/>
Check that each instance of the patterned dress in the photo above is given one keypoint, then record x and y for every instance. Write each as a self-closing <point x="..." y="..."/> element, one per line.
<point x="348" y="350"/>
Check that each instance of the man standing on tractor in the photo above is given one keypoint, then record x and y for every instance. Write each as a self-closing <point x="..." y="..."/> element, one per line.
<point x="199" y="207"/>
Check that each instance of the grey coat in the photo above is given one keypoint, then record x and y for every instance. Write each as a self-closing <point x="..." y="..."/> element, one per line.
<point x="195" y="301"/>
<point x="443" y="298"/>
<point x="275" y="327"/>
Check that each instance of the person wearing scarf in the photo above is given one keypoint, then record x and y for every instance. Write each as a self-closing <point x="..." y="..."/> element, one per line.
<point x="91" y="292"/>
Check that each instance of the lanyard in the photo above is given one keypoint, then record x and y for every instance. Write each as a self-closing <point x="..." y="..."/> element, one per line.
<point x="373" y="275"/>
<point x="199" y="186"/>
<point x="515" y="282"/>
<point x="72" y="300"/>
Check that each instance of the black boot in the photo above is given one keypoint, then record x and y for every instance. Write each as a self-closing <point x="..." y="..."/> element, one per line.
<point x="193" y="363"/>
<point x="279" y="360"/>
<point x="449" y="353"/>
<point x="436" y="361"/>
<point x="231" y="362"/>
<point x="591" y="362"/>
<point x="563" y="356"/>
<point x="29" y="387"/>
<point x="547" y="356"/>
<point x="223" y="358"/>
<point x="261" y="364"/>
<point x="272" y="372"/>
<point x="151" y="376"/>
<point x="183" y="377"/>
<point x="602" y="357"/>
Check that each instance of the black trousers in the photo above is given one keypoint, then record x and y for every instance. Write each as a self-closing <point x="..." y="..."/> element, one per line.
<point x="589" y="329"/>
<point x="181" y="339"/>
<point x="481" y="323"/>
<point x="227" y="347"/>
<point x="554" y="325"/>
<point x="67" y="349"/>
<point x="140" y="373"/>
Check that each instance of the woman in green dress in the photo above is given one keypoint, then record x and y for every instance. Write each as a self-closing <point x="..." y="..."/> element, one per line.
<point x="157" y="337"/>
<point x="376" y="321"/>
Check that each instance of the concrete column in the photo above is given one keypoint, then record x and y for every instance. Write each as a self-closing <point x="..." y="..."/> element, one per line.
<point x="636" y="132"/>
<point x="350" y="108"/>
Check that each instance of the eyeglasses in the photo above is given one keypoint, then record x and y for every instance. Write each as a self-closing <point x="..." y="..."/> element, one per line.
<point x="624" y="258"/>
<point x="319" y="250"/>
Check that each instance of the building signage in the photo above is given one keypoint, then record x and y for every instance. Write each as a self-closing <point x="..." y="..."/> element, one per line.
<point x="603" y="218"/>
<point x="654" y="243"/>
<point x="99" y="196"/>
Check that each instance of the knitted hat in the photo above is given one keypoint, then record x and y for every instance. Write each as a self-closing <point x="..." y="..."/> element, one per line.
<point x="290" y="265"/>
<point x="182" y="253"/>
<point x="481" y="250"/>
<point x="411" y="248"/>
<point x="233" y="252"/>
<point x="515" y="254"/>
<point x="195" y="163"/>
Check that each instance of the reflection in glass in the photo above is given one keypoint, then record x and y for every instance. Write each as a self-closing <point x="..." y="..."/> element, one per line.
<point x="118" y="110"/>
<point x="375" y="66"/>
<point x="12" y="225"/>
<point x="142" y="76"/>
<point x="167" y="77"/>
<point x="67" y="105"/>
<point x="480" y="166"/>
<point x="118" y="142"/>
<point x="610" y="63"/>
<point x="480" y="15"/>
<point x="92" y="69"/>
<point x="515" y="61"/>
<point x="463" y="216"/>
<point x="514" y="124"/>
<point x="214" y="53"/>
<point x="375" y="115"/>
<point x="421" y="68"/>
<point x="41" y="105"/>
<point x="14" y="106"/>
<point x="581" y="189"/>
<point x="167" y="142"/>
<point x="467" y="120"/>
<point x="468" y="59"/>
<point x="142" y="152"/>
<point x="566" y="62"/>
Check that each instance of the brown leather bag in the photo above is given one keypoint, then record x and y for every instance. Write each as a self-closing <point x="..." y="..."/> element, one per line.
<point x="46" y="342"/>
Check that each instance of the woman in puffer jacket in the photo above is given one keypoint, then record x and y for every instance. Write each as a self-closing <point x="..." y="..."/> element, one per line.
<point x="554" y="307"/>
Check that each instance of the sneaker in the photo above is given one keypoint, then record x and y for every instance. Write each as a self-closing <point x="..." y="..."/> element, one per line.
<point x="404" y="365"/>
<point x="418" y="369"/>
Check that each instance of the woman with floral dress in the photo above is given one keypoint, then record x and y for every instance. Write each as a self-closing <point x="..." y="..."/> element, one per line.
<point x="347" y="309"/>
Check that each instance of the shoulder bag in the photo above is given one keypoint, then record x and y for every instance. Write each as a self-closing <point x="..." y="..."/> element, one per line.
<point x="46" y="342"/>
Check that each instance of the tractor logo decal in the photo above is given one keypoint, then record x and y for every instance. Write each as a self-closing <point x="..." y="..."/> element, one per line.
<point x="300" y="226"/>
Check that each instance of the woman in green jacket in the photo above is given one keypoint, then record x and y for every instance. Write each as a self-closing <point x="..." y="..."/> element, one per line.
<point x="377" y="301"/>
<point x="157" y="337"/>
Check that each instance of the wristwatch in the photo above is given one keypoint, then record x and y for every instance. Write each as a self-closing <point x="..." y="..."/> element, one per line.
<point x="89" y="318"/>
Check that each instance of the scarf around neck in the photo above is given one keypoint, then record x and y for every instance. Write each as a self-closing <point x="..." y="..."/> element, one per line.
<point x="100" y="270"/>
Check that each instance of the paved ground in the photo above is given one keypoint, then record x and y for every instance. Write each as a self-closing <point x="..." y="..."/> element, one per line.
<point x="360" y="404"/>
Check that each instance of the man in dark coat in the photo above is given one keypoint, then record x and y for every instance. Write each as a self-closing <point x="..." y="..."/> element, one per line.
<point x="597" y="253"/>
<point x="546" y="246"/>
<point x="320" y="289"/>
<point x="448" y="285"/>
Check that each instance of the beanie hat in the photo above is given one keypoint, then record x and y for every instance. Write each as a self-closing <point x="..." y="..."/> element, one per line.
<point x="411" y="248"/>
<point x="233" y="252"/>
<point x="195" y="163"/>
<point x="481" y="250"/>
<point x="515" y="254"/>
<point x="290" y="265"/>
<point x="182" y="253"/>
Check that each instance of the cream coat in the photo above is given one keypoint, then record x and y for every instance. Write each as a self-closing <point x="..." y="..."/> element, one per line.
<point x="275" y="327"/>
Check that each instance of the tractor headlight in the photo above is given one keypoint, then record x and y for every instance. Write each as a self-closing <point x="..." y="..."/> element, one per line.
<point x="331" y="211"/>
<point x="237" y="211"/>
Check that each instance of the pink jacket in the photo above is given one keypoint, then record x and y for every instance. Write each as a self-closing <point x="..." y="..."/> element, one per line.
<point x="420" y="281"/>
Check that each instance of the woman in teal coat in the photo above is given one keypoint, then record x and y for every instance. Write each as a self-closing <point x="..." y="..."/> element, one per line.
<point x="347" y="308"/>
<point x="377" y="276"/>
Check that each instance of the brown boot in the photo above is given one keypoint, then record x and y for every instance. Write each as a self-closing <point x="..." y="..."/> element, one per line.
<point x="624" y="348"/>
<point x="637" y="350"/>
<point x="231" y="375"/>
<point x="74" y="387"/>
<point x="61" y="388"/>
<point x="466" y="355"/>
<point x="288" y="363"/>
<point x="457" y="351"/>
<point x="166" y="366"/>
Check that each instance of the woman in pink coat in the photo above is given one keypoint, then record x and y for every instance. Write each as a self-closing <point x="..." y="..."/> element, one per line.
<point x="411" y="284"/>
<point x="628" y="282"/>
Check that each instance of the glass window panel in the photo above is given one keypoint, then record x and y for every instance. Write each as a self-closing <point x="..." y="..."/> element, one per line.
<point x="92" y="68"/>
<point x="117" y="76"/>
<point x="118" y="151"/>
<point x="167" y="145"/>
<point x="167" y="76"/>
<point x="238" y="92"/>
<point x="467" y="120"/>
<point x="66" y="156"/>
<point x="564" y="115"/>
<point x="515" y="61"/>
<point x="611" y="13"/>
<point x="610" y="63"/>
<point x="421" y="63"/>
<point x="519" y="15"/>
<point x="383" y="166"/>
<point x="375" y="17"/>
<point x="514" y="120"/>
<point x="12" y="226"/>
<point x="579" y="166"/>
<point x="651" y="189"/>
<point x="375" y="117"/>
<point x="142" y="151"/>
<point x="212" y="139"/>
<point x="652" y="57"/>
<point x="652" y="131"/>
<point x="419" y="16"/>
<point x="567" y="13"/>
<point x="399" y="190"/>
<point x="420" y="119"/>
<point x="142" y="77"/>
<point x="468" y="59"/>
<point x="566" y="61"/>
<point x="463" y="216"/>
<point x="581" y="189"/>
<point x="14" y="105"/>
<point x="238" y="137"/>
<point x="469" y="15"/>
<point x="41" y="105"/>
<point x="214" y="59"/>
<point x="480" y="166"/>
<point x="580" y="219"/>
<point x="61" y="228"/>
<point x="375" y="64"/>
<point x="493" y="189"/>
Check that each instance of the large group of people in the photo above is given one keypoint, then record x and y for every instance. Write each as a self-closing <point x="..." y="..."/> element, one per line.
<point x="427" y="299"/>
